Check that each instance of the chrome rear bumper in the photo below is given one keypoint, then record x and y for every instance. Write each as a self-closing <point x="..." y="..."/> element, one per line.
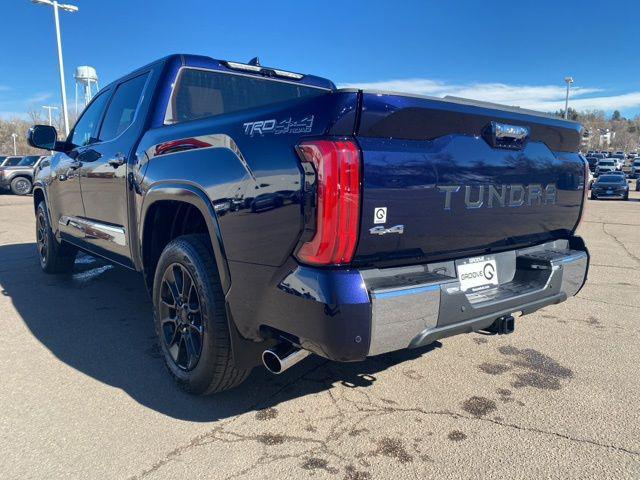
<point x="414" y="306"/>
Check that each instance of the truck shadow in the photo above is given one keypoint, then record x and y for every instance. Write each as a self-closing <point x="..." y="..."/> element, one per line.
<point x="98" y="320"/>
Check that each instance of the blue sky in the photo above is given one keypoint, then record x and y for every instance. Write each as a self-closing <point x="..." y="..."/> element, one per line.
<point x="513" y="52"/>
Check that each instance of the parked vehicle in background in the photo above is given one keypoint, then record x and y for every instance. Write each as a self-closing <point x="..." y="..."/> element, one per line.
<point x="10" y="161"/>
<point x="593" y="163"/>
<point x="635" y="168"/>
<point x="19" y="178"/>
<point x="273" y="215"/>
<point x="619" y="159"/>
<point x="591" y="179"/>
<point x="610" y="186"/>
<point x="605" y="166"/>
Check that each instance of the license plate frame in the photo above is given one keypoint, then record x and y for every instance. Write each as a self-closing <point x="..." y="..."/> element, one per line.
<point x="477" y="274"/>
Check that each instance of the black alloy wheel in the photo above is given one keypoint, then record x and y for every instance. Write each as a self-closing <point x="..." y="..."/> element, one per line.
<point x="42" y="237"/>
<point x="54" y="257"/>
<point x="191" y="318"/>
<point x="180" y="317"/>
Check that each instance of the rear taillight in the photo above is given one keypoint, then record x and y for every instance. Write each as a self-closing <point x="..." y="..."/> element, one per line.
<point x="337" y="202"/>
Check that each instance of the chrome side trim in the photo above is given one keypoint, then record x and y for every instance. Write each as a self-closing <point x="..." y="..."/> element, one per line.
<point x="96" y="230"/>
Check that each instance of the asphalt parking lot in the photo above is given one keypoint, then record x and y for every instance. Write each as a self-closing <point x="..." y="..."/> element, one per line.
<point x="85" y="395"/>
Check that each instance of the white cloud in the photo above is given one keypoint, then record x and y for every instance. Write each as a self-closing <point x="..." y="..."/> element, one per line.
<point x="538" y="97"/>
<point x="39" y="97"/>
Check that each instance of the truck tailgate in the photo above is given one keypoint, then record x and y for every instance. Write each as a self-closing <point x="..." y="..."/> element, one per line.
<point x="439" y="180"/>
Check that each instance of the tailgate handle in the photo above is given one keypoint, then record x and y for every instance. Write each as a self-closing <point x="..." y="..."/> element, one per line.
<point x="502" y="135"/>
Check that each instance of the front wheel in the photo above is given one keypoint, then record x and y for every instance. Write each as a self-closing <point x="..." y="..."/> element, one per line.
<point x="54" y="257"/>
<point x="21" y="186"/>
<point x="191" y="320"/>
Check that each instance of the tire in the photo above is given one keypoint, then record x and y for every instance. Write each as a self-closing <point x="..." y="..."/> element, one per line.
<point x="54" y="257"/>
<point x="593" y="197"/>
<point x="21" y="186"/>
<point x="192" y="329"/>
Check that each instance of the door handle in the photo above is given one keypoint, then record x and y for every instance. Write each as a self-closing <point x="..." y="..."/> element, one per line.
<point x="118" y="160"/>
<point x="75" y="165"/>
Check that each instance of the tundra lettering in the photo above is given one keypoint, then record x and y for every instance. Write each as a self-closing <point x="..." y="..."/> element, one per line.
<point x="273" y="216"/>
<point x="496" y="196"/>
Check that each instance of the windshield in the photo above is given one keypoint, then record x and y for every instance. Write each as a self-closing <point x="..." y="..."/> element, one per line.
<point x="606" y="163"/>
<point x="28" y="161"/>
<point x="636" y="162"/>
<point x="611" y="179"/>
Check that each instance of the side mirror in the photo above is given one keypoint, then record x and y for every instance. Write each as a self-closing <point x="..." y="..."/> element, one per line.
<point x="44" y="136"/>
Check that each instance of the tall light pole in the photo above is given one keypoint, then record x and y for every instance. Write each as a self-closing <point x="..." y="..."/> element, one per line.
<point x="568" y="81"/>
<point x="14" y="136"/>
<point x="63" y="89"/>
<point x="49" y="108"/>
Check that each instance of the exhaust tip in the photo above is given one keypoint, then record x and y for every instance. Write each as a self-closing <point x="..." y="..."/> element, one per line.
<point x="271" y="362"/>
<point x="282" y="357"/>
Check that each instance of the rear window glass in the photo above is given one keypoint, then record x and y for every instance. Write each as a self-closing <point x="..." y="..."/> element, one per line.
<point x="203" y="93"/>
<point x="612" y="179"/>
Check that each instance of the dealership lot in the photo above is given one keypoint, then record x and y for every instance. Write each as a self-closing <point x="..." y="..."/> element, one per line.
<point x="85" y="395"/>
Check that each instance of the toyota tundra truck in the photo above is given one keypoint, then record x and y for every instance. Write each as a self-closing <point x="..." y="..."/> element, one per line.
<point x="273" y="215"/>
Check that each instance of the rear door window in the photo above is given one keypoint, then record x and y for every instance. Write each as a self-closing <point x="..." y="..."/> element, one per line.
<point x="204" y="93"/>
<point x="122" y="108"/>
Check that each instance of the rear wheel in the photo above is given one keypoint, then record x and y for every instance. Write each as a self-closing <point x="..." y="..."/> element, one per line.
<point x="190" y="318"/>
<point x="21" y="186"/>
<point x="54" y="257"/>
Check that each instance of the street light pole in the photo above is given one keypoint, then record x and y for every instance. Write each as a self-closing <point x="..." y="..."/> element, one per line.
<point x="63" y="89"/>
<point x="14" y="136"/>
<point x="568" y="81"/>
<point x="49" y="108"/>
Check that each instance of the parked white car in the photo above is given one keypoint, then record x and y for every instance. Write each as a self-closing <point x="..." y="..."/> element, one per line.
<point x="606" y="165"/>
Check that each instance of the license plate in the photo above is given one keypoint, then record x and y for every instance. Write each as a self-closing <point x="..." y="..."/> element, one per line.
<point x="477" y="274"/>
<point x="609" y="192"/>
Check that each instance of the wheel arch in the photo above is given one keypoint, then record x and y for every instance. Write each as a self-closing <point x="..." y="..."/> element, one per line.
<point x="39" y="196"/>
<point x="246" y="353"/>
<point x="181" y="194"/>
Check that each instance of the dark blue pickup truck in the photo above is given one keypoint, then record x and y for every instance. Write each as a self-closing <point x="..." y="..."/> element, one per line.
<point x="273" y="215"/>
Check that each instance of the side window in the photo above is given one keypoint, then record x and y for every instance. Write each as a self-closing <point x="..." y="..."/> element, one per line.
<point x="88" y="121"/>
<point x="122" y="108"/>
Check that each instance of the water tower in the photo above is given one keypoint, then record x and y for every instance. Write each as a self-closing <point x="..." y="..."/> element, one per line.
<point x="87" y="79"/>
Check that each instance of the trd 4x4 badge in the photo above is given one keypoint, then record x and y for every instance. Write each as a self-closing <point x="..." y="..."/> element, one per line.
<point x="262" y="127"/>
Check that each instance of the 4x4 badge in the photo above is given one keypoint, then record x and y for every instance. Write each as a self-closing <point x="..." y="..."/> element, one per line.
<point x="380" y="230"/>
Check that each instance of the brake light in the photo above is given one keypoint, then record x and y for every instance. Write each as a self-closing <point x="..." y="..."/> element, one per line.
<point x="337" y="168"/>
